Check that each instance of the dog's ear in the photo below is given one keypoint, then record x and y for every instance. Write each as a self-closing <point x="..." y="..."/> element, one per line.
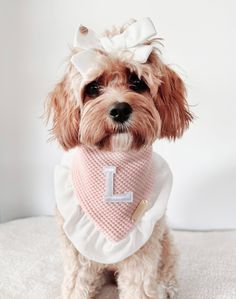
<point x="62" y="107"/>
<point x="172" y="105"/>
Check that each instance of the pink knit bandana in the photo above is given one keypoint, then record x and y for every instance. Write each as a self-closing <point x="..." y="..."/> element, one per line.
<point x="110" y="186"/>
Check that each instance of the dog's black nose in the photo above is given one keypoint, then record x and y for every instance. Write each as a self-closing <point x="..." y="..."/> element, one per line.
<point x="120" y="112"/>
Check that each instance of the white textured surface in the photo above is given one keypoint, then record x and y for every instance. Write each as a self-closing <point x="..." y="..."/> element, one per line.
<point x="30" y="264"/>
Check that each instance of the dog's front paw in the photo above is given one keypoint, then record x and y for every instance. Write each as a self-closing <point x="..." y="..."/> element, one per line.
<point x="167" y="290"/>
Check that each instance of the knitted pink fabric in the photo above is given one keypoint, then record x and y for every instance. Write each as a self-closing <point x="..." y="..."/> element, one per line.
<point x="134" y="172"/>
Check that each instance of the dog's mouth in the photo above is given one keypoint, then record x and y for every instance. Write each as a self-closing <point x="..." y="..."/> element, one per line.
<point x="115" y="139"/>
<point x="122" y="128"/>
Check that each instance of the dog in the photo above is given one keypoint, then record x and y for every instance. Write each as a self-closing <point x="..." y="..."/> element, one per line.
<point x="116" y="99"/>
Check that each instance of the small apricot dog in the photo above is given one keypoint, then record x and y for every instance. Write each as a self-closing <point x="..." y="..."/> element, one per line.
<point x="116" y="98"/>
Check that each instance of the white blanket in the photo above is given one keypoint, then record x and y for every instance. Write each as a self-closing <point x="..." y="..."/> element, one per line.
<point x="30" y="263"/>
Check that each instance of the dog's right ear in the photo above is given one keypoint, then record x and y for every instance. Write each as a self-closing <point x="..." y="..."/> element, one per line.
<point x="62" y="107"/>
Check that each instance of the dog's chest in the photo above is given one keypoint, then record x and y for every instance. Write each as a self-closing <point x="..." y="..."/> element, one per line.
<point x="110" y="187"/>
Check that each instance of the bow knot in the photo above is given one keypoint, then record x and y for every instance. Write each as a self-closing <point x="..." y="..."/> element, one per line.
<point x="132" y="40"/>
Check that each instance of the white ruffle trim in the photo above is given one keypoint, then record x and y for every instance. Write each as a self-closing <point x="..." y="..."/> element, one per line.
<point x="91" y="242"/>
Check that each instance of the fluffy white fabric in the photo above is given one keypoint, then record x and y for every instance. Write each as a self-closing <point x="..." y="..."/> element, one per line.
<point x="30" y="263"/>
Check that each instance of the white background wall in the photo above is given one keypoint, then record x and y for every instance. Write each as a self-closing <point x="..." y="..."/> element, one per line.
<point x="199" y="43"/>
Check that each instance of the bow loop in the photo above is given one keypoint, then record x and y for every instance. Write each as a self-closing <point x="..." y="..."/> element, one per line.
<point x="139" y="32"/>
<point x="86" y="39"/>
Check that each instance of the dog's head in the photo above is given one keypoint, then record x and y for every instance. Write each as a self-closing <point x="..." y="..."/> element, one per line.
<point x="122" y="104"/>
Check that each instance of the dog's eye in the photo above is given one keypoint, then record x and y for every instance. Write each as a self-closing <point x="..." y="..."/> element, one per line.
<point x="92" y="89"/>
<point x="136" y="84"/>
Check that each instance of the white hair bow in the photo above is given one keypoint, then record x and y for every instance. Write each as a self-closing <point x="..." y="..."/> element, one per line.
<point x="131" y="40"/>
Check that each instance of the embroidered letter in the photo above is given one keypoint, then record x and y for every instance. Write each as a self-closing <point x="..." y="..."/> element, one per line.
<point x="109" y="171"/>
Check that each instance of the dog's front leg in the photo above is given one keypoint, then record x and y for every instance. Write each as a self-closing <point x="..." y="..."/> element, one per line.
<point x="89" y="279"/>
<point x="82" y="278"/>
<point x="137" y="280"/>
<point x="138" y="274"/>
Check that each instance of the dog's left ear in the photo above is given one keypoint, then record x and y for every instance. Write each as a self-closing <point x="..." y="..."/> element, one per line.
<point x="172" y="105"/>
